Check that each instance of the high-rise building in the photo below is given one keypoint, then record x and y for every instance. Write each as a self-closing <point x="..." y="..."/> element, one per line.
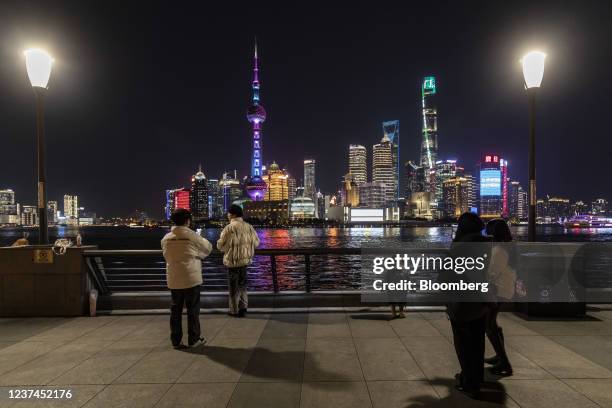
<point x="599" y="207"/>
<point x="9" y="210"/>
<point x="176" y="198"/>
<point x="503" y="165"/>
<point x="491" y="199"/>
<point x="558" y="208"/>
<point x="351" y="191"/>
<point x="182" y="198"/>
<point x="256" y="115"/>
<point x="358" y="163"/>
<point x="199" y="196"/>
<point x="472" y="191"/>
<point x="71" y="207"/>
<point x="277" y="184"/>
<point x="292" y="187"/>
<point x="169" y="205"/>
<point x="444" y="170"/>
<point x="513" y="199"/>
<point x="523" y="208"/>
<point x="579" y="208"/>
<point x="383" y="170"/>
<point x="310" y="186"/>
<point x="231" y="189"/>
<point x="429" y="144"/>
<point x="29" y="215"/>
<point x="52" y="208"/>
<point x="415" y="178"/>
<point x="215" y="199"/>
<point x="455" y="197"/>
<point x="391" y="129"/>
<point x="373" y="195"/>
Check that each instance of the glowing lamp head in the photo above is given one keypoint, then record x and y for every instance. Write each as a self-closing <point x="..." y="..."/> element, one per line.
<point x="533" y="68"/>
<point x="38" y="65"/>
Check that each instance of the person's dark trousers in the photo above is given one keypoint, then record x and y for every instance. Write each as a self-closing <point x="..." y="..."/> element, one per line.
<point x="237" y="282"/>
<point x="190" y="298"/>
<point x="469" y="339"/>
<point x="495" y="333"/>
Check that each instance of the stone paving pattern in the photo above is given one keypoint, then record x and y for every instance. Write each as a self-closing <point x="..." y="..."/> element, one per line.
<point x="342" y="358"/>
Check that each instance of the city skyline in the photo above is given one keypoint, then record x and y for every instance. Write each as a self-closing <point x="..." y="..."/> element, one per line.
<point x="482" y="105"/>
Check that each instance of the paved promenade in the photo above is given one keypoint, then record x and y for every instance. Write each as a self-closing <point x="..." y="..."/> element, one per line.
<point x="334" y="359"/>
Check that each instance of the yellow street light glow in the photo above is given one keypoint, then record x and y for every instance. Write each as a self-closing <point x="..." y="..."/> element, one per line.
<point x="38" y="65"/>
<point x="533" y="68"/>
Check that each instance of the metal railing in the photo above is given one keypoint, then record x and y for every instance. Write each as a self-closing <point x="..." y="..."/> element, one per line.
<point x="135" y="270"/>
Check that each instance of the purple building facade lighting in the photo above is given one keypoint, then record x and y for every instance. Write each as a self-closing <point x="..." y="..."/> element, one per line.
<point x="256" y="115"/>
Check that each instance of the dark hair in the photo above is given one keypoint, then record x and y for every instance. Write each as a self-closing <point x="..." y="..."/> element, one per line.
<point x="180" y="216"/>
<point x="235" y="210"/>
<point x="499" y="229"/>
<point x="468" y="223"/>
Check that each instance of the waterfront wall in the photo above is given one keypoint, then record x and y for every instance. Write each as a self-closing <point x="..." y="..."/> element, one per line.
<point x="36" y="282"/>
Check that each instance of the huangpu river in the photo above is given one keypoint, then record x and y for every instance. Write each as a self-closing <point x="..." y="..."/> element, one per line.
<point x="328" y="272"/>
<point x="316" y="237"/>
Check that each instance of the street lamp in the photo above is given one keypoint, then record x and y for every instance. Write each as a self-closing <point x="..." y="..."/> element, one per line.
<point x="533" y="71"/>
<point x="38" y="65"/>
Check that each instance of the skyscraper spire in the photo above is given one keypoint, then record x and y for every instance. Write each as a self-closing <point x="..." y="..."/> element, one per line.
<point x="256" y="115"/>
<point x="255" y="85"/>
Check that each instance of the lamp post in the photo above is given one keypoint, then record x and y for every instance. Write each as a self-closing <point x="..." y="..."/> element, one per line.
<point x="38" y="66"/>
<point x="533" y="71"/>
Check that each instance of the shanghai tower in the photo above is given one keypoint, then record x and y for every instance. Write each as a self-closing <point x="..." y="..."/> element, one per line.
<point x="256" y="114"/>
<point x="429" y="144"/>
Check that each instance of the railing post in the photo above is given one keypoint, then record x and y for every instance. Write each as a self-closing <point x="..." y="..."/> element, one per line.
<point x="274" y="274"/>
<point x="307" y="271"/>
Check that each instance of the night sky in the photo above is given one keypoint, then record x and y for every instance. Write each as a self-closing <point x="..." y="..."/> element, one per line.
<point x="141" y="93"/>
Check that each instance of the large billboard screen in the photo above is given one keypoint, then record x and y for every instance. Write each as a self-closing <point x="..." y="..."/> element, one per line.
<point x="490" y="182"/>
<point x="367" y="214"/>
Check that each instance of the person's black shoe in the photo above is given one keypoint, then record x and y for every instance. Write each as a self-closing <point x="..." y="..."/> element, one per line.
<point x="179" y="346"/>
<point x="242" y="312"/>
<point x="470" y="392"/>
<point x="459" y="378"/>
<point x="501" y="369"/>
<point x="492" y="360"/>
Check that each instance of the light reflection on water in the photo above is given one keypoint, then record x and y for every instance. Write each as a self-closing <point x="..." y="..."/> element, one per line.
<point x="328" y="271"/>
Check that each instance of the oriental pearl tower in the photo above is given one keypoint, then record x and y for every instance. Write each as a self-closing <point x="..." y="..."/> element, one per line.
<point x="256" y="115"/>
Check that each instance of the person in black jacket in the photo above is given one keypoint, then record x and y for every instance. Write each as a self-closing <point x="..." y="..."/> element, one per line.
<point x="468" y="318"/>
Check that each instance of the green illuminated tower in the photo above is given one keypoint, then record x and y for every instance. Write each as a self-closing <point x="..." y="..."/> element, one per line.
<point x="429" y="144"/>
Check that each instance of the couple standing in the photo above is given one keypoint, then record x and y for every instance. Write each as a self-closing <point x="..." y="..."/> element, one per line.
<point x="184" y="249"/>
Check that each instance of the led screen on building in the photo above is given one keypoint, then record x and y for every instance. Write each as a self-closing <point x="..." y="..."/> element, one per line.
<point x="367" y="214"/>
<point x="490" y="182"/>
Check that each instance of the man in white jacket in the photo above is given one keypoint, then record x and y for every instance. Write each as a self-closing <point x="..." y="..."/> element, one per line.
<point x="183" y="251"/>
<point x="238" y="241"/>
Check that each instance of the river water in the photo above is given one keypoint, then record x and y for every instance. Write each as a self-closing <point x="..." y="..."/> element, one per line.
<point x="328" y="272"/>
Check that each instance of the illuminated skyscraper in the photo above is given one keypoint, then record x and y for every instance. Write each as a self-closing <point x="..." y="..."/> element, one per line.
<point x="9" y="211"/>
<point x="230" y="189"/>
<point x="391" y="129"/>
<point x="429" y="144"/>
<point x="71" y="207"/>
<point x="455" y="197"/>
<point x="215" y="199"/>
<point x="276" y="180"/>
<point x="52" y="210"/>
<point x="351" y="191"/>
<point x="199" y="195"/>
<point x="491" y="198"/>
<point x="292" y="186"/>
<point x="383" y="170"/>
<point x="256" y="115"/>
<point x="310" y="189"/>
<point x="358" y="163"/>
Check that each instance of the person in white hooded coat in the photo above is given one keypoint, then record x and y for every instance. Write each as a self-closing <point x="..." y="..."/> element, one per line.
<point x="238" y="241"/>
